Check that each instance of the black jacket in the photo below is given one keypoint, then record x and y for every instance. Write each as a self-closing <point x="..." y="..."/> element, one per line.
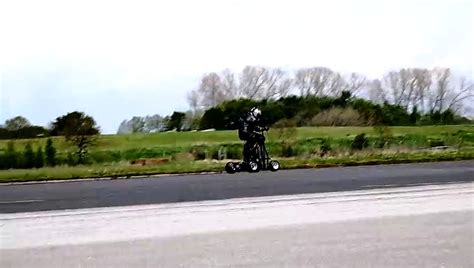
<point x="249" y="129"/>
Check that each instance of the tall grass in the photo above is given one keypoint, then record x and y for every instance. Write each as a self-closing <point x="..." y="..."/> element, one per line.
<point x="307" y="142"/>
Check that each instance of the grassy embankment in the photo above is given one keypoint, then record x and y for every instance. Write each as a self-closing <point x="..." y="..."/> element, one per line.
<point x="111" y="155"/>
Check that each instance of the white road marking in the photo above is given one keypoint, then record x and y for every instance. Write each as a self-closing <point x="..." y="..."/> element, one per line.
<point x="20" y="201"/>
<point x="84" y="226"/>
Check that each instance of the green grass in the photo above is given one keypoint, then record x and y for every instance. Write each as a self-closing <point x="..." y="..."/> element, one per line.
<point x="124" y="170"/>
<point x="111" y="153"/>
<point x="187" y="139"/>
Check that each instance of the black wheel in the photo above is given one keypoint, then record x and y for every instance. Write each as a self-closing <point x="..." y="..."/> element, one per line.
<point x="238" y="166"/>
<point x="230" y="168"/>
<point x="274" y="165"/>
<point x="253" y="167"/>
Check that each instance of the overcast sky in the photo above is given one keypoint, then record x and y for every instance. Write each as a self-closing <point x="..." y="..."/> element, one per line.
<point x="117" y="59"/>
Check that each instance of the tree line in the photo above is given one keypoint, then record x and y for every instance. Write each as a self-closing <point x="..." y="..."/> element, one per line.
<point x="318" y="96"/>
<point x="79" y="129"/>
<point x="427" y="90"/>
<point x="29" y="158"/>
<point x="180" y="121"/>
<point x="344" y="110"/>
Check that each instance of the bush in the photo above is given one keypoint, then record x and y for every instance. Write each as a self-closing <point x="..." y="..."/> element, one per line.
<point x="436" y="143"/>
<point x="3" y="161"/>
<point x="235" y="151"/>
<point x="325" y="147"/>
<point x="50" y="152"/>
<point x="384" y="136"/>
<point x="39" y="158"/>
<point x="199" y="152"/>
<point x="339" y="117"/>
<point x="71" y="160"/>
<point x="11" y="156"/>
<point x="28" y="157"/>
<point x="289" y="150"/>
<point x="360" y="142"/>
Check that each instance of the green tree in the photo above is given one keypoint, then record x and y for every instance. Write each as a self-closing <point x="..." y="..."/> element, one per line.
<point x="213" y="118"/>
<point x="414" y="116"/>
<point x="17" y="123"/>
<point x="50" y="153"/>
<point x="79" y="129"/>
<point x="39" y="158"/>
<point x="176" y="121"/>
<point x="28" y="157"/>
<point x="11" y="157"/>
<point x="447" y="117"/>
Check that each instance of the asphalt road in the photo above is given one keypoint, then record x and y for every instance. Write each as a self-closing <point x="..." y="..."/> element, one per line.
<point x="172" y="189"/>
<point x="390" y="242"/>
<point x="418" y="226"/>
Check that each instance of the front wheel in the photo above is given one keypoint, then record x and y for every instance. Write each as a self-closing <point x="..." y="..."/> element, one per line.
<point x="274" y="165"/>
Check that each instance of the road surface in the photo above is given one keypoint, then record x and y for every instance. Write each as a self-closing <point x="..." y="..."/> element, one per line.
<point x="417" y="226"/>
<point x="414" y="215"/>
<point x="172" y="189"/>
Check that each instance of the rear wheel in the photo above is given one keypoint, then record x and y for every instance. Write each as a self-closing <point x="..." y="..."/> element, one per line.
<point x="230" y="168"/>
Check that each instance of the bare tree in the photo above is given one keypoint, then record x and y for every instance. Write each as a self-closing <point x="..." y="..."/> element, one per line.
<point x="230" y="84"/>
<point x="439" y="94"/>
<point x="429" y="90"/>
<point x="193" y="100"/>
<point x="211" y="92"/>
<point x="420" y="87"/>
<point x="263" y="83"/>
<point x="355" y="82"/>
<point x="252" y="80"/>
<point x="376" y="92"/>
<point x="278" y="83"/>
<point x="153" y="123"/>
<point x="396" y="85"/>
<point x="319" y="81"/>
<point x="463" y="92"/>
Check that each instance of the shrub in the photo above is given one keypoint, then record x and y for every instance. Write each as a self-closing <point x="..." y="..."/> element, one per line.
<point x="360" y="142"/>
<point x="235" y="151"/>
<point x="325" y="147"/>
<point x="288" y="150"/>
<point x="50" y="153"/>
<point x="39" y="158"/>
<point x="3" y="161"/>
<point x="436" y="143"/>
<point x="71" y="160"/>
<point x="28" y="157"/>
<point x="339" y="117"/>
<point x="384" y="136"/>
<point x="11" y="156"/>
<point x="199" y="152"/>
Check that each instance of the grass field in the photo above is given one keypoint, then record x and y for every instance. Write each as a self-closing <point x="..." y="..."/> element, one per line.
<point x="186" y="139"/>
<point x="120" y="170"/>
<point x="112" y="153"/>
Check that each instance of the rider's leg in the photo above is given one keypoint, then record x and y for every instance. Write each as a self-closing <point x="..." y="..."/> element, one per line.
<point x="246" y="151"/>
